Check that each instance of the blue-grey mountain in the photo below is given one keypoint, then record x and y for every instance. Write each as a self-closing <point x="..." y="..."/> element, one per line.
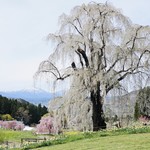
<point x="34" y="96"/>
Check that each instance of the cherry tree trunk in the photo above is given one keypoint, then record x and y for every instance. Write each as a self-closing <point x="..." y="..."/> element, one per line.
<point x="98" y="115"/>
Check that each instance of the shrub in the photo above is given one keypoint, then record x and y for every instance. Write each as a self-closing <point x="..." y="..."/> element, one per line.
<point x="46" y="125"/>
<point x="6" y="117"/>
<point x="15" y="125"/>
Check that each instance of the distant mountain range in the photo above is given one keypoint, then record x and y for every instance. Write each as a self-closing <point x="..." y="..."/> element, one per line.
<point x="35" y="96"/>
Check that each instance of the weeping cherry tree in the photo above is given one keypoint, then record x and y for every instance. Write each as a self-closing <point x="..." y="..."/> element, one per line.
<point x="98" y="48"/>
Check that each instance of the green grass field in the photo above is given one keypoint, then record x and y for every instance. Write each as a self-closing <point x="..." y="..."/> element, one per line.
<point x="133" y="138"/>
<point x="14" y="136"/>
<point x="119" y="142"/>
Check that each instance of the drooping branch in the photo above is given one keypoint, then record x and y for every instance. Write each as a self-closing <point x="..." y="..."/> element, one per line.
<point x="140" y="57"/>
<point x="76" y="28"/>
<point x="79" y="22"/>
<point x="135" y="37"/>
<point x="48" y="67"/>
<point x="113" y="65"/>
<point x="122" y="74"/>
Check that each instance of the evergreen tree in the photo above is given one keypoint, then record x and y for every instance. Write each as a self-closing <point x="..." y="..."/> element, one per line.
<point x="26" y="112"/>
<point x="136" y="111"/>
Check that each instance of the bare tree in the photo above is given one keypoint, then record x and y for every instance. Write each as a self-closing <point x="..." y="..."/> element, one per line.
<point x="98" y="47"/>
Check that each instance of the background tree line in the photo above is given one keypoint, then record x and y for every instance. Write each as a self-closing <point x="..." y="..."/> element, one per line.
<point x="21" y="110"/>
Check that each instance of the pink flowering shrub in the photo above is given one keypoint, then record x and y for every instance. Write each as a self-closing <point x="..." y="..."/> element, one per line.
<point x="143" y="119"/>
<point x="14" y="125"/>
<point x="20" y="126"/>
<point x="46" y="125"/>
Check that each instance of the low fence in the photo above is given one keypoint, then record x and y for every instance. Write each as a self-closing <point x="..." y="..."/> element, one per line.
<point x="24" y="141"/>
<point x="32" y="140"/>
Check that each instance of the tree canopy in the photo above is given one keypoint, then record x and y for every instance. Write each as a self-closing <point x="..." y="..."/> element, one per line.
<point x="98" y="48"/>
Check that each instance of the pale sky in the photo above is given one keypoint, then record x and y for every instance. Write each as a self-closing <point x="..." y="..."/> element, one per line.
<point x="24" y="25"/>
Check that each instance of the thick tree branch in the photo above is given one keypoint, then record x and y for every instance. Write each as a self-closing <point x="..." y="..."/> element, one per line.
<point x="80" y="58"/>
<point x="82" y="52"/>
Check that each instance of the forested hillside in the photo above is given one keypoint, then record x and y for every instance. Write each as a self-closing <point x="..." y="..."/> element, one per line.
<point x="20" y="110"/>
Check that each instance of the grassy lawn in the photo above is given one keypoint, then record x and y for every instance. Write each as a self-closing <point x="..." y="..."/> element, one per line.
<point x="135" y="138"/>
<point x="119" y="142"/>
<point x="15" y="136"/>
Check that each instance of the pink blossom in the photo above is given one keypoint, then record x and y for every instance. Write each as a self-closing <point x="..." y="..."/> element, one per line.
<point x="15" y="125"/>
<point x="46" y="125"/>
